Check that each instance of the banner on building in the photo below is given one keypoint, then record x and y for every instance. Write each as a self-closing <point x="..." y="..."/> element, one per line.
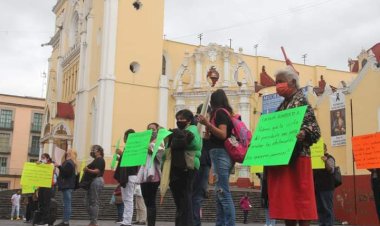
<point x="338" y="119"/>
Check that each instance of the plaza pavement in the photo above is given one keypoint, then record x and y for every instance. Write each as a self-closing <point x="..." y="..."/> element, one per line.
<point x="112" y="223"/>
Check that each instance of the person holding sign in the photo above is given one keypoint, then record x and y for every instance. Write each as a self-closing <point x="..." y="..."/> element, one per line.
<point x="324" y="190"/>
<point x="291" y="187"/>
<point x="45" y="195"/>
<point x="149" y="184"/>
<point x="185" y="146"/>
<point x="66" y="182"/>
<point x="222" y="164"/>
<point x="127" y="178"/>
<point x="95" y="170"/>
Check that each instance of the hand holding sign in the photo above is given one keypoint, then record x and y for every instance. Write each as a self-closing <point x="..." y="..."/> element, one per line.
<point x="275" y="137"/>
<point x="114" y="159"/>
<point x="317" y="152"/>
<point x="37" y="175"/>
<point x="136" y="149"/>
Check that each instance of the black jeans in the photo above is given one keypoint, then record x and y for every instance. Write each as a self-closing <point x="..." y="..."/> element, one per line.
<point x="376" y="194"/>
<point x="325" y="207"/>
<point x="44" y="198"/>
<point x="181" y="185"/>
<point x="245" y="216"/>
<point x="149" y="191"/>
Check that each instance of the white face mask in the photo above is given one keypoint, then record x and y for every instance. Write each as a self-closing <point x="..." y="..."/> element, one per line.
<point x="43" y="160"/>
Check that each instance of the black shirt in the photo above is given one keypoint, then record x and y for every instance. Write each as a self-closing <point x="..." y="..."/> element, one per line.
<point x="220" y="118"/>
<point x="99" y="164"/>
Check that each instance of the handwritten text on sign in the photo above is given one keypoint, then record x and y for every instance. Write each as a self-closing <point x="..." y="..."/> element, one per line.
<point x="366" y="150"/>
<point x="275" y="137"/>
<point x="136" y="149"/>
<point x="317" y="151"/>
<point x="38" y="175"/>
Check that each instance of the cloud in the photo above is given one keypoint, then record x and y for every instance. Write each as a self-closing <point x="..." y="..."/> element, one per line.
<point x="329" y="31"/>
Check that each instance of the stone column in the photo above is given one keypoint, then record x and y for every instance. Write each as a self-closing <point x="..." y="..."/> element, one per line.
<point x="81" y="107"/>
<point x="198" y="70"/>
<point x="163" y="101"/>
<point x="226" y="75"/>
<point x="51" y="146"/>
<point x="106" y="80"/>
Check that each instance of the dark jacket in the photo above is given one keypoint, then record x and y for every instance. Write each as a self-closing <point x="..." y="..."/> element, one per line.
<point x="324" y="180"/>
<point x="66" y="178"/>
<point x="122" y="173"/>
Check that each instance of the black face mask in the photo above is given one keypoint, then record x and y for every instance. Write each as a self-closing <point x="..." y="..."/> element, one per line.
<point x="92" y="154"/>
<point x="181" y="124"/>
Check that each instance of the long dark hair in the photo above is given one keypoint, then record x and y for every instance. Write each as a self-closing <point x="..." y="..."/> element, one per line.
<point x="219" y="100"/>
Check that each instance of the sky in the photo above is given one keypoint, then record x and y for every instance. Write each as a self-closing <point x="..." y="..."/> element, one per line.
<point x="328" y="31"/>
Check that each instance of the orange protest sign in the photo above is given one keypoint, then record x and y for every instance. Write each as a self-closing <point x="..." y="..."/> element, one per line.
<point x="366" y="150"/>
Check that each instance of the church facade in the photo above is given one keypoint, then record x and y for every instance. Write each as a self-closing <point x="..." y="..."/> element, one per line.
<point x="110" y="70"/>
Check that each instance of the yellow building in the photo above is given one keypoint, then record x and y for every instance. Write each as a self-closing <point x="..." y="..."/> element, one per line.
<point x="111" y="70"/>
<point x="20" y="131"/>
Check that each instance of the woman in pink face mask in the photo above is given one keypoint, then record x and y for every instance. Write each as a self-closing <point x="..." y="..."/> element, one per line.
<point x="291" y="187"/>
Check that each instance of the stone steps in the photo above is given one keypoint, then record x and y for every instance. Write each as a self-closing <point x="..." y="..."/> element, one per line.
<point x="165" y="212"/>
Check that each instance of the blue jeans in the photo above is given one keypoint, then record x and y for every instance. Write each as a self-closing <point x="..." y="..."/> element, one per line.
<point x="200" y="187"/>
<point x="67" y="204"/>
<point x="225" y="209"/>
<point x="268" y="220"/>
<point x="120" y="211"/>
<point x="325" y="207"/>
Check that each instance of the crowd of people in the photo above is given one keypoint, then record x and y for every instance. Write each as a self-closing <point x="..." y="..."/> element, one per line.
<point x="293" y="193"/>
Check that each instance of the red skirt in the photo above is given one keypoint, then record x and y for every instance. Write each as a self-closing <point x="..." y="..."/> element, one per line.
<point x="291" y="191"/>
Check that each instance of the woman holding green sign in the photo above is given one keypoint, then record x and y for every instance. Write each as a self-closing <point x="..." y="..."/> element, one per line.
<point x="291" y="187"/>
<point x="149" y="184"/>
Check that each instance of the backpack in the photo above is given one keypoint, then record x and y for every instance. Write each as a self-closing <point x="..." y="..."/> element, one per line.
<point x="237" y="145"/>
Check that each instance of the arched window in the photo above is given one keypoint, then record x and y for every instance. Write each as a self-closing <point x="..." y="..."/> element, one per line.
<point x="163" y="65"/>
<point x="74" y="30"/>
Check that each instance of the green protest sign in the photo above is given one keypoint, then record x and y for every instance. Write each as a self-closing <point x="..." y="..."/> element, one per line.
<point x="275" y="137"/>
<point x="136" y="149"/>
<point x="317" y="151"/>
<point x="114" y="159"/>
<point x="162" y="133"/>
<point x="37" y="175"/>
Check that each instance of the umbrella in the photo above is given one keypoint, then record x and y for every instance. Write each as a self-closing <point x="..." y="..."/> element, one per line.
<point x="165" y="175"/>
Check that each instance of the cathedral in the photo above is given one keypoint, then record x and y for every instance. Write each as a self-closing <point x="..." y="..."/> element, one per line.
<point x="110" y="69"/>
